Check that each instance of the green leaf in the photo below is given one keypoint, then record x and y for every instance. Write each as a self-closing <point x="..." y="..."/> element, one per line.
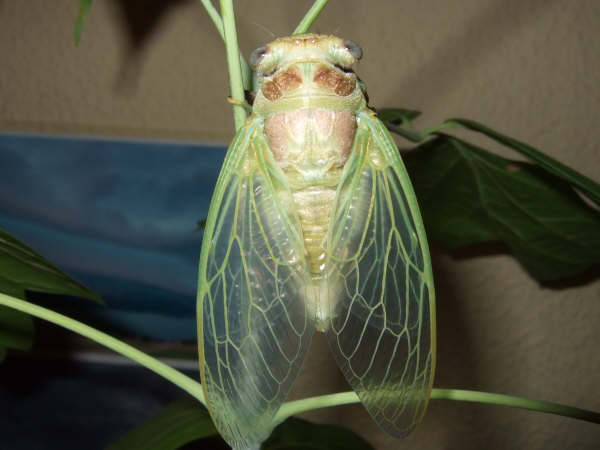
<point x="397" y="116"/>
<point x="84" y="9"/>
<point x="396" y="119"/>
<point x="586" y="185"/>
<point x="179" y="423"/>
<point x="21" y="268"/>
<point x="300" y="434"/>
<point x="469" y="195"/>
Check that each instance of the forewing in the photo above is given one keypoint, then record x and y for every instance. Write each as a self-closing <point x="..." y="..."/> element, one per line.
<point x="382" y="329"/>
<point x="255" y="330"/>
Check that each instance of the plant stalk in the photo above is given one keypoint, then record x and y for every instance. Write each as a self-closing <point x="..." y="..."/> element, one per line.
<point x="233" y="63"/>
<point x="344" y="398"/>
<point x="310" y="17"/>
<point x="288" y="409"/>
<point x="186" y="383"/>
<point x="218" y="22"/>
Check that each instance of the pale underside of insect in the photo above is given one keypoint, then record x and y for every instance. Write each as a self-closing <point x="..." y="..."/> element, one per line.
<point x="313" y="226"/>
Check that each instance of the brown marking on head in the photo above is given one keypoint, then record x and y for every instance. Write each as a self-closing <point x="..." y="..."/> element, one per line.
<point x="270" y="90"/>
<point x="334" y="80"/>
<point x="281" y="83"/>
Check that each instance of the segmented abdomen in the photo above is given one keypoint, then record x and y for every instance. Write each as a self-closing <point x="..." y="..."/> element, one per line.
<point x="314" y="205"/>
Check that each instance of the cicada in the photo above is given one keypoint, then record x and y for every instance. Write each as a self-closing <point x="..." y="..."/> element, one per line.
<point x="313" y="226"/>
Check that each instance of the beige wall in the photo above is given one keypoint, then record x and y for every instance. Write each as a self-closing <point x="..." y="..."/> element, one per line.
<point x="529" y="68"/>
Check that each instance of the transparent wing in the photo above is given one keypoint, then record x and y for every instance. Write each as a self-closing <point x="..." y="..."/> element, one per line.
<point x="382" y="329"/>
<point x="255" y="330"/>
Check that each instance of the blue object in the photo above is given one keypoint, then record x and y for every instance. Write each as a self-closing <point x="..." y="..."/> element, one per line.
<point x="120" y="216"/>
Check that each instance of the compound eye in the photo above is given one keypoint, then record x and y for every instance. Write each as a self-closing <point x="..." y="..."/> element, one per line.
<point x="257" y="55"/>
<point x="353" y="48"/>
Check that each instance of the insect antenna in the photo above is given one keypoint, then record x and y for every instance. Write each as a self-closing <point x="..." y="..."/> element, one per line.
<point x="265" y="28"/>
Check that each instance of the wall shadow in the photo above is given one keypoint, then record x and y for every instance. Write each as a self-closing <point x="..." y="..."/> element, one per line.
<point x="139" y="21"/>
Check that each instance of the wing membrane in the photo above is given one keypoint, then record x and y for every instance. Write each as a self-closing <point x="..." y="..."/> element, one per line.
<point x="381" y="290"/>
<point x="255" y="327"/>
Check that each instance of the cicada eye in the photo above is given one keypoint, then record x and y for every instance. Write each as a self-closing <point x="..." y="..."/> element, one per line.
<point x="257" y="55"/>
<point x="353" y="48"/>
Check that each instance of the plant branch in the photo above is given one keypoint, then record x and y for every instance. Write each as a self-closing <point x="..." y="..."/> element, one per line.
<point x="343" y="398"/>
<point x="233" y="62"/>
<point x="288" y="409"/>
<point x="462" y="395"/>
<point x="216" y="18"/>
<point x="186" y="383"/>
<point x="310" y="16"/>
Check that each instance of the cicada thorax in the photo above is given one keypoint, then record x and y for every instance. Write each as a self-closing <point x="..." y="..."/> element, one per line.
<point x="309" y="98"/>
<point x="311" y="146"/>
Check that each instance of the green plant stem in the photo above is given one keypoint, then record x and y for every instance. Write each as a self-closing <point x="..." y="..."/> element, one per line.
<point x="233" y="62"/>
<point x="343" y="398"/>
<point x="214" y="16"/>
<point x="292" y="408"/>
<point x="186" y="383"/>
<point x="516" y="402"/>
<point x="84" y="9"/>
<point x="288" y="409"/>
<point x="310" y="16"/>
<point x="216" y="19"/>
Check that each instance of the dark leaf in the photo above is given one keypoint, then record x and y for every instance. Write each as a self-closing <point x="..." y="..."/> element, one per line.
<point x="397" y="116"/>
<point x="23" y="269"/>
<point x="299" y="434"/>
<point x="406" y="132"/>
<point x="468" y="195"/>
<point x="586" y="185"/>
<point x="181" y="422"/>
<point x="84" y="9"/>
<point x="142" y="17"/>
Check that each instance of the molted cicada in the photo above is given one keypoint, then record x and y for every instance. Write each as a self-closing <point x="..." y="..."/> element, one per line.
<point x="313" y="225"/>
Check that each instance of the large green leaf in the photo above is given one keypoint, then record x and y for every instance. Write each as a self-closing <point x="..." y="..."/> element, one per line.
<point x="179" y="423"/>
<point x="468" y="195"/>
<point x="298" y="434"/>
<point x="399" y="121"/>
<point x="397" y="116"/>
<point x="84" y="9"/>
<point x="21" y="269"/>
<point x="586" y="185"/>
